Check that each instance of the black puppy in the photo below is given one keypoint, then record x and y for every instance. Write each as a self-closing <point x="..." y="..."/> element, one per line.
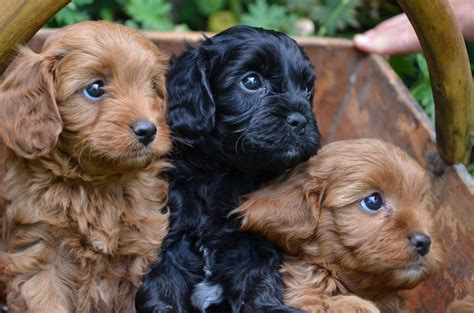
<point x="240" y="106"/>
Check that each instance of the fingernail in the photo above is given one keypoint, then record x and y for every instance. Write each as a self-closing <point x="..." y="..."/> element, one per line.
<point x="369" y="33"/>
<point x="361" y="40"/>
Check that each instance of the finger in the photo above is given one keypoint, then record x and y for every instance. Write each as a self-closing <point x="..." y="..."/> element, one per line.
<point x="392" y="37"/>
<point x="464" y="12"/>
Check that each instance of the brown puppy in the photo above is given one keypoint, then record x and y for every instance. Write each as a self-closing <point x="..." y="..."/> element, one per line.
<point x="355" y="222"/>
<point x="85" y="125"/>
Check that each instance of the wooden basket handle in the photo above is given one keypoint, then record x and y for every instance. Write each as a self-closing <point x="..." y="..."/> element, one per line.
<point x="443" y="45"/>
<point x="20" y="20"/>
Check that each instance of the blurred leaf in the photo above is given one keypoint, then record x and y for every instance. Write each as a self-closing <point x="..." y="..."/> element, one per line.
<point x="334" y="15"/>
<point x="82" y="2"/>
<point x="106" y="14"/>
<point x="132" y="24"/>
<point x="221" y="20"/>
<point x="403" y="65"/>
<point x="422" y="93"/>
<point x="302" y="7"/>
<point x="470" y="169"/>
<point x="208" y="7"/>
<point x="236" y="7"/>
<point x="420" y="59"/>
<point x="261" y="14"/>
<point x="151" y="14"/>
<point x="413" y="70"/>
<point x="72" y="13"/>
<point x="421" y="89"/>
<point x="186" y="11"/>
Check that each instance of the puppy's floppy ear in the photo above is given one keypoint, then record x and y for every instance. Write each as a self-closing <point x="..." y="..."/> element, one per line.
<point x="30" y="123"/>
<point x="191" y="107"/>
<point x="286" y="211"/>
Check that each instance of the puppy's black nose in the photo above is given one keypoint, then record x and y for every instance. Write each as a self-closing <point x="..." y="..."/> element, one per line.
<point x="421" y="243"/>
<point x="145" y="131"/>
<point x="297" y="121"/>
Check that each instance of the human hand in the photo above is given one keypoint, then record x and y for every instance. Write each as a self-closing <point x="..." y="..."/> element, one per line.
<point x="396" y="35"/>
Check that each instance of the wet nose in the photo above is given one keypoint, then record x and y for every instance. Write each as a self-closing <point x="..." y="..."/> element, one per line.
<point x="421" y="242"/>
<point x="145" y="131"/>
<point x="297" y="121"/>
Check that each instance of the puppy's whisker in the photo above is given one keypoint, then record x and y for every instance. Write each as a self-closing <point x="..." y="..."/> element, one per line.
<point x="79" y="157"/>
<point x="239" y="130"/>
<point x="181" y="140"/>
<point x="237" y="143"/>
<point x="243" y="145"/>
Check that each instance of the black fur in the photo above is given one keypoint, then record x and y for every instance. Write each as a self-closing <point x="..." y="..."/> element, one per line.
<point x="229" y="141"/>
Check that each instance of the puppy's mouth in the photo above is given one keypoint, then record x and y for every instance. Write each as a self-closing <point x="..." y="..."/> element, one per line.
<point x="140" y="155"/>
<point x="414" y="270"/>
<point x="273" y="161"/>
<point x="411" y="275"/>
<point x="291" y="156"/>
<point x="111" y="162"/>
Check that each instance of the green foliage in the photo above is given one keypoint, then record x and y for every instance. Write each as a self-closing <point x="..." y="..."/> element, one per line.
<point x="221" y="20"/>
<point x="330" y="17"/>
<point x="270" y="16"/>
<point x="71" y="14"/>
<point x="414" y="72"/>
<point x="422" y="88"/>
<point x="208" y="7"/>
<point x="470" y="169"/>
<point x="149" y="14"/>
<point x="336" y="15"/>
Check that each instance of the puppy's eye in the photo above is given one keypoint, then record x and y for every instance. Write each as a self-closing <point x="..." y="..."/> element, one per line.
<point x="251" y="82"/>
<point x="94" y="91"/>
<point x="372" y="203"/>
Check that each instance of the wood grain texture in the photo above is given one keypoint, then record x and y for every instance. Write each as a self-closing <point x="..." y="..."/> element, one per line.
<point x="20" y="20"/>
<point x="451" y="81"/>
<point x="357" y="96"/>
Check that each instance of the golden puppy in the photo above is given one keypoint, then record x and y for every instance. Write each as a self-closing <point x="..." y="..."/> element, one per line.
<point x="355" y="222"/>
<point x="85" y="124"/>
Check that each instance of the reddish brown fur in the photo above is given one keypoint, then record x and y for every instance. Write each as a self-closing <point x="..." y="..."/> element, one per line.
<point x="339" y="256"/>
<point x="85" y="216"/>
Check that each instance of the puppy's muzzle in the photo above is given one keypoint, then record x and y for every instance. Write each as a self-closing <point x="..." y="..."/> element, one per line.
<point x="144" y="130"/>
<point x="421" y="243"/>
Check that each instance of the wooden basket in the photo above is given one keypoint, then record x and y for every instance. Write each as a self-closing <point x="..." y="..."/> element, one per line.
<point x="359" y="95"/>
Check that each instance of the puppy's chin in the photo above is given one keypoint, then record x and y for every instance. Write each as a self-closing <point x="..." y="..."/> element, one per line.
<point x="107" y="167"/>
<point x="112" y="162"/>
<point x="408" y="277"/>
<point x="278" y="149"/>
<point x="271" y="162"/>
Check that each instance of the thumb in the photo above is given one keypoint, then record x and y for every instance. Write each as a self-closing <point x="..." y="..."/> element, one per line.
<point x="392" y="37"/>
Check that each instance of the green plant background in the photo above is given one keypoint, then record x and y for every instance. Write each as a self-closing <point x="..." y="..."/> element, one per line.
<point x="338" y="18"/>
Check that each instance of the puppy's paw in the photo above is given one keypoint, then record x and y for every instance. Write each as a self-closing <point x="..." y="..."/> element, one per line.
<point x="341" y="304"/>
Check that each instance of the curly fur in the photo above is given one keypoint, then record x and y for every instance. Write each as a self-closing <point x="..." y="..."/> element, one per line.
<point x="341" y="258"/>
<point x="85" y="205"/>
<point x="229" y="141"/>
